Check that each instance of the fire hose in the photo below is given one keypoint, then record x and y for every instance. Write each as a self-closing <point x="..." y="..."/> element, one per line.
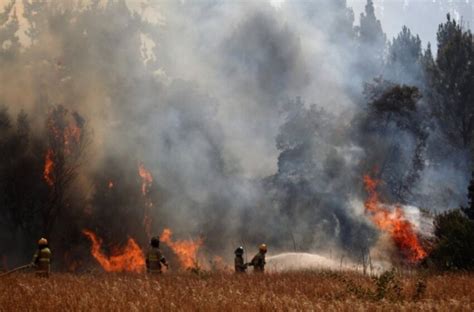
<point x="23" y="267"/>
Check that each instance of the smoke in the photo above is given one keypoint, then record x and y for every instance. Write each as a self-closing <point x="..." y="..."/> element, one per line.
<point x="244" y="113"/>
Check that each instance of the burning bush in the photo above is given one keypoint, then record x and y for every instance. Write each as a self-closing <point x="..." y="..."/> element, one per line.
<point x="393" y="221"/>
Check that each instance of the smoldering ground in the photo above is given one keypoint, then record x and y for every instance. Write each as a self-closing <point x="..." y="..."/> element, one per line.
<point x="248" y="117"/>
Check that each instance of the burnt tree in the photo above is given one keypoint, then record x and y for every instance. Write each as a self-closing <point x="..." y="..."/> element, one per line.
<point x="67" y="142"/>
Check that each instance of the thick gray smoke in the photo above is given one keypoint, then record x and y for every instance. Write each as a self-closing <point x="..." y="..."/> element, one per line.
<point x="245" y="114"/>
<point x="237" y="121"/>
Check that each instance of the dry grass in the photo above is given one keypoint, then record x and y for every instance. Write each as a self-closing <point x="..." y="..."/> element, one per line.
<point x="320" y="291"/>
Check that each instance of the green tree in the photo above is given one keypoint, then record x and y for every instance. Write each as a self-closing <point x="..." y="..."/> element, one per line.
<point x="454" y="248"/>
<point x="392" y="129"/>
<point x="452" y="81"/>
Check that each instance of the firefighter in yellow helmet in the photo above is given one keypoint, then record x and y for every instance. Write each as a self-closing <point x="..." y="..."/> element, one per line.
<point x="258" y="261"/>
<point x="42" y="259"/>
<point x="154" y="257"/>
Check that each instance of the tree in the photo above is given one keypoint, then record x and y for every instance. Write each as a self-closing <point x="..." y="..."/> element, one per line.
<point x="428" y="67"/>
<point x="372" y="43"/>
<point x="310" y="170"/>
<point x="394" y="135"/>
<point x="22" y="192"/>
<point x="404" y="58"/>
<point x="452" y="81"/>
<point x="67" y="140"/>
<point x="9" y="26"/>
<point x="454" y="232"/>
<point x="36" y="15"/>
<point x="469" y="209"/>
<point x="454" y="247"/>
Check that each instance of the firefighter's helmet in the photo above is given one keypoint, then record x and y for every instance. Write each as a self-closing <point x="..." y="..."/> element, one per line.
<point x="262" y="248"/>
<point x="239" y="251"/>
<point x="155" y="241"/>
<point x="43" y="241"/>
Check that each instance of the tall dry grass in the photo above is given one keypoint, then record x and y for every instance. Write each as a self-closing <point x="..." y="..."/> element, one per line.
<point x="299" y="291"/>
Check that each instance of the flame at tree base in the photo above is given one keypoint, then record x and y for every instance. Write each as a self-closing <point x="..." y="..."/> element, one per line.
<point x="127" y="259"/>
<point x="393" y="222"/>
<point x="48" y="168"/>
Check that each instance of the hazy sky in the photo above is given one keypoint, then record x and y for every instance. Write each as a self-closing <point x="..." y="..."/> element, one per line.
<point x="421" y="16"/>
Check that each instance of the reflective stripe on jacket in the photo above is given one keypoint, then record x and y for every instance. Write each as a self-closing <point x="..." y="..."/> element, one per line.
<point x="42" y="260"/>
<point x="154" y="259"/>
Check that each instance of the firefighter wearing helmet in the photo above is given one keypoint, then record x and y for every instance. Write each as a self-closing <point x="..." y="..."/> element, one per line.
<point x="258" y="261"/>
<point x="42" y="259"/>
<point x="239" y="264"/>
<point x="154" y="257"/>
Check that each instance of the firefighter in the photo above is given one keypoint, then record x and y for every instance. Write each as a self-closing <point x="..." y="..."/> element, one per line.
<point x="154" y="257"/>
<point x="258" y="261"/>
<point x="239" y="264"/>
<point x="42" y="259"/>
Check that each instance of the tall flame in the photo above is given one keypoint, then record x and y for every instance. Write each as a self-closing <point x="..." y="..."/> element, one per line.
<point x="186" y="250"/>
<point x="127" y="259"/>
<point x="393" y="222"/>
<point x="48" y="168"/>
<point x="147" y="180"/>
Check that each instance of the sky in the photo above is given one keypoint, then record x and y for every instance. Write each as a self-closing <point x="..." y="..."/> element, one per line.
<point x="421" y="16"/>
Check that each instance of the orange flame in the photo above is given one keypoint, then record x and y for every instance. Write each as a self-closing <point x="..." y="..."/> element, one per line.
<point x="393" y="222"/>
<point x="186" y="250"/>
<point x="147" y="179"/>
<point x="111" y="184"/>
<point x="127" y="259"/>
<point x="69" y="136"/>
<point x="48" y="168"/>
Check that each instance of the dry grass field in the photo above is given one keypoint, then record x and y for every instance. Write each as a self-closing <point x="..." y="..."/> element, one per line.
<point x="300" y="291"/>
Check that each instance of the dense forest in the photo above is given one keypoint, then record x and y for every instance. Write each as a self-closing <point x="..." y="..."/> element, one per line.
<point x="236" y="123"/>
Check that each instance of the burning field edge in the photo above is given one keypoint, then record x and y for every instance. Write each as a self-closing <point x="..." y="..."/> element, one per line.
<point x="212" y="291"/>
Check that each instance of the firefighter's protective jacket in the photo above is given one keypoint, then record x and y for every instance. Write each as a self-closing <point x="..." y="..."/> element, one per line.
<point x="42" y="261"/>
<point x="154" y="259"/>
<point x="240" y="266"/>
<point x="258" y="262"/>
